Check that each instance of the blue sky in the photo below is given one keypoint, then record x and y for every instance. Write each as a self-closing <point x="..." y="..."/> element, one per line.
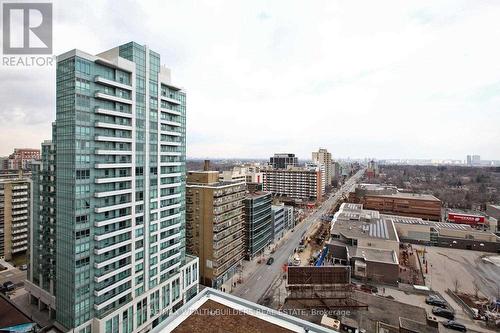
<point x="392" y="79"/>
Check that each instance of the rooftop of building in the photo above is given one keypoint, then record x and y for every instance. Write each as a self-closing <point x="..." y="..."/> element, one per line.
<point x="223" y="312"/>
<point x="354" y="222"/>
<point x="207" y="178"/>
<point x="373" y="254"/>
<point x="405" y="195"/>
<point x="284" y="155"/>
<point x="378" y="309"/>
<point x="391" y="191"/>
<point x="257" y="194"/>
<point x="292" y="168"/>
<point x="10" y="315"/>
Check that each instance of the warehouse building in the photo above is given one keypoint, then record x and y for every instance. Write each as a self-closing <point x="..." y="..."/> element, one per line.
<point x="452" y="235"/>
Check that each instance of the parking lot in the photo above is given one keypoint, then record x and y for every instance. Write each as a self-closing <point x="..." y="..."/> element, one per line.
<point x="446" y="267"/>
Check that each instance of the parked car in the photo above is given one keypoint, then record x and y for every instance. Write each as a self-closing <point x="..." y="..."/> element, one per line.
<point x="436" y="301"/>
<point x="453" y="325"/>
<point x="9" y="286"/>
<point x="23" y="267"/>
<point x="270" y="261"/>
<point x="445" y="313"/>
<point x="368" y="288"/>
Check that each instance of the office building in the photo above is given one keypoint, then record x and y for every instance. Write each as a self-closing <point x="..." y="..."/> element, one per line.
<point x="299" y="183"/>
<point x="278" y="221"/>
<point x="14" y="216"/>
<point x="283" y="161"/>
<point x="214" y="220"/>
<point x="389" y="200"/>
<point x="109" y="196"/>
<point x="322" y="156"/>
<point x="289" y="217"/>
<point x="258" y="223"/>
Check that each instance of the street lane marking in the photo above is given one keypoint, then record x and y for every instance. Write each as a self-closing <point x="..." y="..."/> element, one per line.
<point x="246" y="291"/>
<point x="260" y="277"/>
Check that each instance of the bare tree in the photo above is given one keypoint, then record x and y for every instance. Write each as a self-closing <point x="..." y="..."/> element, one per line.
<point x="475" y="286"/>
<point x="456" y="284"/>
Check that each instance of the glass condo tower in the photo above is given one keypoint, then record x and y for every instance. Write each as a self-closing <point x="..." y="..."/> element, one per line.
<point x="107" y="249"/>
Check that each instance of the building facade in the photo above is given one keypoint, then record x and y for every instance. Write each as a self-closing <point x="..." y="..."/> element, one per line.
<point x="258" y="223"/>
<point x="246" y="173"/>
<point x="303" y="184"/>
<point x="14" y="217"/>
<point x="22" y="158"/>
<point x="282" y="161"/>
<point x="322" y="156"/>
<point x="289" y="217"/>
<point x="278" y="222"/>
<point x="114" y="180"/>
<point x="215" y="218"/>
<point x="389" y="200"/>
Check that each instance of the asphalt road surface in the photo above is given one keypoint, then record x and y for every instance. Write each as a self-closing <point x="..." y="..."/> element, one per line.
<point x="256" y="286"/>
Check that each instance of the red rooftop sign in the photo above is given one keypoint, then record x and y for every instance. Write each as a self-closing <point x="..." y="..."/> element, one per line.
<point x="465" y="218"/>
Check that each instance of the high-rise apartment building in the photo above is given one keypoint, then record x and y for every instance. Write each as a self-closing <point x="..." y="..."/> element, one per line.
<point x="258" y="223"/>
<point x="14" y="216"/>
<point x="214" y="222"/>
<point x="108" y="241"/>
<point x="282" y="161"/>
<point x="322" y="156"/>
<point x="302" y="184"/>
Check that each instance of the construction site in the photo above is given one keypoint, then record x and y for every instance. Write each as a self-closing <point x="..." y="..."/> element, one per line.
<point x="325" y="295"/>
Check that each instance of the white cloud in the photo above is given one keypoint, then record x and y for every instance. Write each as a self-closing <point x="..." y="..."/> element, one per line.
<point x="392" y="79"/>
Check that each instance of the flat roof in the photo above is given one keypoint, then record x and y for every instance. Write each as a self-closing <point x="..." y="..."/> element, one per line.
<point x="11" y="315"/>
<point x="354" y="222"/>
<point x="227" y="313"/>
<point x="257" y="194"/>
<point x="372" y="254"/>
<point x="377" y="309"/>
<point x="405" y="195"/>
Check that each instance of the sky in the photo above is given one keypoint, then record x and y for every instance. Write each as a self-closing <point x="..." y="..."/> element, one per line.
<point x="382" y="79"/>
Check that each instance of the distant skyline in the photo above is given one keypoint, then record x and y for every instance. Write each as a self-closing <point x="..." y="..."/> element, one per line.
<point x="417" y="80"/>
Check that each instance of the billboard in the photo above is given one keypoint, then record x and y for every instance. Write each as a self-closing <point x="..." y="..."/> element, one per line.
<point x="465" y="218"/>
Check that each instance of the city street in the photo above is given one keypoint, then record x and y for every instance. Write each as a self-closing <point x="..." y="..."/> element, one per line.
<point x="256" y="286"/>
